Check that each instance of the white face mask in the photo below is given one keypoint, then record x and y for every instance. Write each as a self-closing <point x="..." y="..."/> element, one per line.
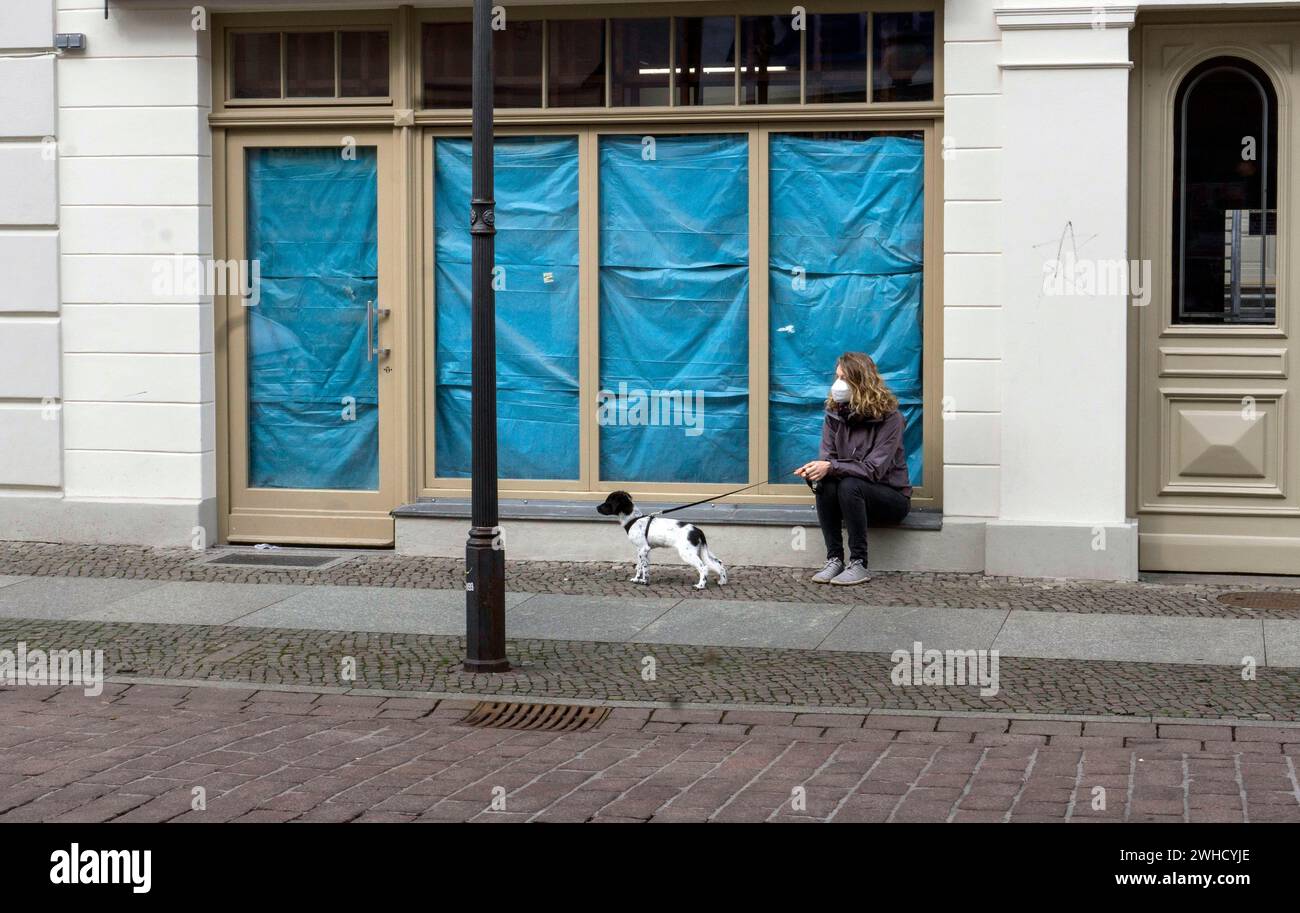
<point x="840" y="391"/>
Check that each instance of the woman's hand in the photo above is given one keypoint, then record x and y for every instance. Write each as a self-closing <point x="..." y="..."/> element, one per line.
<point x="814" y="471"/>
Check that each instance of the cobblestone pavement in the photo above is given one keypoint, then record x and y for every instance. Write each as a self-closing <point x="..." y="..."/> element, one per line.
<point x="682" y="674"/>
<point x="972" y="591"/>
<point x="148" y="753"/>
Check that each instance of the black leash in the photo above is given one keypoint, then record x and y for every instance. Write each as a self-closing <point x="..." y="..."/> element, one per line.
<point x="728" y="494"/>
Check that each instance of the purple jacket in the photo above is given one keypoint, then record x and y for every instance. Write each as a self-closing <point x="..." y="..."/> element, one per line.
<point x="867" y="449"/>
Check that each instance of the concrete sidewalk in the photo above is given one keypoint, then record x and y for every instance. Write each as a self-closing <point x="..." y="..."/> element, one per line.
<point x="696" y="621"/>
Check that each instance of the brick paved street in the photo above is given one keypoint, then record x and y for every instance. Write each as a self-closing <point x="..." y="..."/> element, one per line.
<point x="137" y="753"/>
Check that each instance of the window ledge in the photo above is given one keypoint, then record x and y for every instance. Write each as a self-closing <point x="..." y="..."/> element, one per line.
<point x="920" y="518"/>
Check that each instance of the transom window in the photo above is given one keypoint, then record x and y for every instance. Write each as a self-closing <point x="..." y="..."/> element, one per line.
<point x="813" y="58"/>
<point x="316" y="64"/>
<point x="1225" y="196"/>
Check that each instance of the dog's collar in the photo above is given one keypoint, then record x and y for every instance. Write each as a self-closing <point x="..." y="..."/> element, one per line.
<point x="627" y="526"/>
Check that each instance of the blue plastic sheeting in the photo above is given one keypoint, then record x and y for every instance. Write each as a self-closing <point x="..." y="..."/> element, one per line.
<point x="674" y="302"/>
<point x="536" y="302"/>
<point x="845" y="276"/>
<point x="313" y="398"/>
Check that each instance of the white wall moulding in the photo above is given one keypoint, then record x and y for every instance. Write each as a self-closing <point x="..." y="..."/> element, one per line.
<point x="137" y="377"/>
<point x="27" y="24"/>
<point x="1090" y="551"/>
<point x="133" y="82"/>
<point x="141" y="427"/>
<point x="115" y="521"/>
<point x="1097" y="16"/>
<point x="1088" y="38"/>
<point x="29" y="261"/>
<point x="30" y="449"/>
<point x="29" y="352"/>
<point x="1067" y="65"/>
<point x="28" y="185"/>
<point x="27" y="96"/>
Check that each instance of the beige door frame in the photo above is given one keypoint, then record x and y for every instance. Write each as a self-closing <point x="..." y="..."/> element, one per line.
<point x="307" y="516"/>
<point x="1198" y="509"/>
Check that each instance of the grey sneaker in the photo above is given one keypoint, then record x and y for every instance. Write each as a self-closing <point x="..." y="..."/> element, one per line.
<point x="856" y="572"/>
<point x="834" y="567"/>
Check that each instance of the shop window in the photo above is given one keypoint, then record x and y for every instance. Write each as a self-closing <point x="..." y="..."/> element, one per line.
<point x="846" y="245"/>
<point x="576" y="74"/>
<point x="903" y="68"/>
<point x="1225" y="196"/>
<point x="706" y="60"/>
<point x="673" y="402"/>
<point x="837" y="58"/>
<point x="536" y="279"/>
<point x="639" y="62"/>
<point x="770" y="60"/>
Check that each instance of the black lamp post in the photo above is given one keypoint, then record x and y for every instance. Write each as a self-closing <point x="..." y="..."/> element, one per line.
<point x="485" y="560"/>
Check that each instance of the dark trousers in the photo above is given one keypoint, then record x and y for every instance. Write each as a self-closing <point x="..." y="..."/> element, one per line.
<point x="857" y="504"/>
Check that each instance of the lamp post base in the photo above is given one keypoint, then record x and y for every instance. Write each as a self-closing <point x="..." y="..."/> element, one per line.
<point x="485" y="601"/>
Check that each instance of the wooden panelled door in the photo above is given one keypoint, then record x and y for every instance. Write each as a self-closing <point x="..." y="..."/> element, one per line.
<point x="310" y="380"/>
<point x="1218" y="452"/>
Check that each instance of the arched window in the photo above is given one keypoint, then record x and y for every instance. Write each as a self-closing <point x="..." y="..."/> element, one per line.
<point x="1225" y="195"/>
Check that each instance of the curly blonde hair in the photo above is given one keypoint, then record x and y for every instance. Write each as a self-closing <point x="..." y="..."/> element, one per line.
<point x="868" y="395"/>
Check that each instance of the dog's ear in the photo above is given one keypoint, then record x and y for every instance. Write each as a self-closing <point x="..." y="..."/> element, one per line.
<point x="622" y="502"/>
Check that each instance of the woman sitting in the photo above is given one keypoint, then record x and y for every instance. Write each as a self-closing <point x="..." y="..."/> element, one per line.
<point x="861" y="477"/>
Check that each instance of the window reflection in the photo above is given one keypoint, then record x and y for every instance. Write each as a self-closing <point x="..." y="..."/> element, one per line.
<point x="770" y="63"/>
<point x="706" y="60"/>
<point x="576" y="75"/>
<point x="639" y="62"/>
<point x="837" y="59"/>
<point x="904" y="57"/>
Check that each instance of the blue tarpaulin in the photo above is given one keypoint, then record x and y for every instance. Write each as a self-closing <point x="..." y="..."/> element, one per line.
<point x="674" y="293"/>
<point x="536" y="304"/>
<point x="312" y="396"/>
<point x="845" y="276"/>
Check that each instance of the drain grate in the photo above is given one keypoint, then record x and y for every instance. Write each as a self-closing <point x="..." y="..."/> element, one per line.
<point x="272" y="559"/>
<point x="1262" y="599"/>
<point x="545" y="717"/>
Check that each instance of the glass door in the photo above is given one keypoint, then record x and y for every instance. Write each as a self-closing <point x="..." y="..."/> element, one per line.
<point x="310" y="378"/>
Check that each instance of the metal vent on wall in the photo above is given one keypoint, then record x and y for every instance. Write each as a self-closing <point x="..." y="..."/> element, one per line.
<point x="274" y="560"/>
<point x="1268" y="599"/>
<point x="544" y="717"/>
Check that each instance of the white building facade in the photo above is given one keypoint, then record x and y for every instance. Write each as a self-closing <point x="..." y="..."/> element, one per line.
<point x="1100" y="263"/>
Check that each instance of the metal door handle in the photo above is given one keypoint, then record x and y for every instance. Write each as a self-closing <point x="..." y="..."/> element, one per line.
<point x="373" y="316"/>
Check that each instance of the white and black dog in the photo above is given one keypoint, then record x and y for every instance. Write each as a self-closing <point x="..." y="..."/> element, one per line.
<point x="660" y="532"/>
